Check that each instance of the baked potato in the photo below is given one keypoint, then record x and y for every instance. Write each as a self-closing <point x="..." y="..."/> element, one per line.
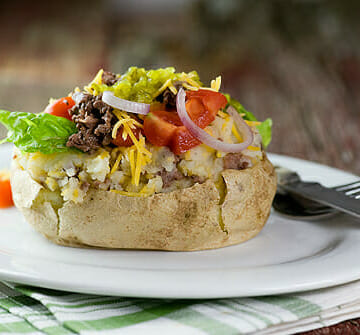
<point x="195" y="218"/>
<point x="162" y="164"/>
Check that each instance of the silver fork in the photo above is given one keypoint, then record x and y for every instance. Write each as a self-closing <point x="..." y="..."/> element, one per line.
<point x="297" y="198"/>
<point x="352" y="190"/>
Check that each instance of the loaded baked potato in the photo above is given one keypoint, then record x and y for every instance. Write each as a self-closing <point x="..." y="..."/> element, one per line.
<point x="144" y="160"/>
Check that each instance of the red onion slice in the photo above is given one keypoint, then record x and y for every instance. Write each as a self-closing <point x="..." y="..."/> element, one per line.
<point x="207" y="139"/>
<point x="125" y="105"/>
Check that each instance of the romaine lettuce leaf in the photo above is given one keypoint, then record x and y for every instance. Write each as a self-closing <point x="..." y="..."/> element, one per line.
<point x="264" y="128"/>
<point x="37" y="132"/>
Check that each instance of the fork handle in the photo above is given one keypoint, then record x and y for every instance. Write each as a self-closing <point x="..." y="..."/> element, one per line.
<point x="324" y="195"/>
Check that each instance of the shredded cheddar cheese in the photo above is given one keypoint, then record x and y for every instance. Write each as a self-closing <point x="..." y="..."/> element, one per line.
<point x="163" y="87"/>
<point x="192" y="82"/>
<point x="103" y="155"/>
<point x="137" y="172"/>
<point x="189" y="87"/>
<point x="132" y="163"/>
<point x="173" y="89"/>
<point x="207" y="130"/>
<point x="216" y="83"/>
<point x="76" y="193"/>
<point x="148" y="190"/>
<point x="131" y="194"/>
<point x="130" y="121"/>
<point x="116" y="164"/>
<point x="126" y="121"/>
<point x="250" y="147"/>
<point x="116" y="127"/>
<point x="97" y="80"/>
<point x="137" y="154"/>
<point x="252" y="123"/>
<point x="222" y="114"/>
<point x="236" y="133"/>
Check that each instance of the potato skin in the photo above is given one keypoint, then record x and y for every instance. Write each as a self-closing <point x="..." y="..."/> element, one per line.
<point x="195" y="218"/>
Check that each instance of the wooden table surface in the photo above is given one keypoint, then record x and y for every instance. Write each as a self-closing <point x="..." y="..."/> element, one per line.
<point x="296" y="62"/>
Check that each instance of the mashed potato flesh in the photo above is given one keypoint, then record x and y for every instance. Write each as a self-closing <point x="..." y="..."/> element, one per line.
<point x="72" y="174"/>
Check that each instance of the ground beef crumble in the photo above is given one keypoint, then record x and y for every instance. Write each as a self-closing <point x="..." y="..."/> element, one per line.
<point x="236" y="161"/>
<point x="94" y="120"/>
<point x="168" y="177"/>
<point x="109" y="78"/>
<point x="169" y="98"/>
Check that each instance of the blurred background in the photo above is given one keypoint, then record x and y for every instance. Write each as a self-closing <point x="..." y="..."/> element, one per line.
<point x="297" y="62"/>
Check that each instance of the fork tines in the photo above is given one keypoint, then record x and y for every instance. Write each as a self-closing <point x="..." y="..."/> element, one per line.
<point x="352" y="190"/>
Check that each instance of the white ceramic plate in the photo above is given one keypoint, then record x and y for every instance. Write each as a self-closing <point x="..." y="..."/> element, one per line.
<point x="287" y="256"/>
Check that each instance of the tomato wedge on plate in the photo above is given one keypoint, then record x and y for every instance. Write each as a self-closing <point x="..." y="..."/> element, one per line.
<point x="6" y="199"/>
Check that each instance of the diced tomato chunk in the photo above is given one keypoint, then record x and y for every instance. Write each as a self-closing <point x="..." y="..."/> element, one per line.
<point x="198" y="114"/>
<point x="157" y="106"/>
<point x="213" y="101"/>
<point x="164" y="128"/>
<point x="61" y="107"/>
<point x="128" y="142"/>
<point x="183" y="141"/>
<point x="171" y="117"/>
<point x="160" y="126"/>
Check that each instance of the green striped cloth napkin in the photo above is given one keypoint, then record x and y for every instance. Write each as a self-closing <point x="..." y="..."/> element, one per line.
<point x="30" y="310"/>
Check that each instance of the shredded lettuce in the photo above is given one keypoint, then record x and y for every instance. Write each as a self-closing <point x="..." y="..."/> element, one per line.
<point x="141" y="85"/>
<point x="264" y="128"/>
<point x="37" y="132"/>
